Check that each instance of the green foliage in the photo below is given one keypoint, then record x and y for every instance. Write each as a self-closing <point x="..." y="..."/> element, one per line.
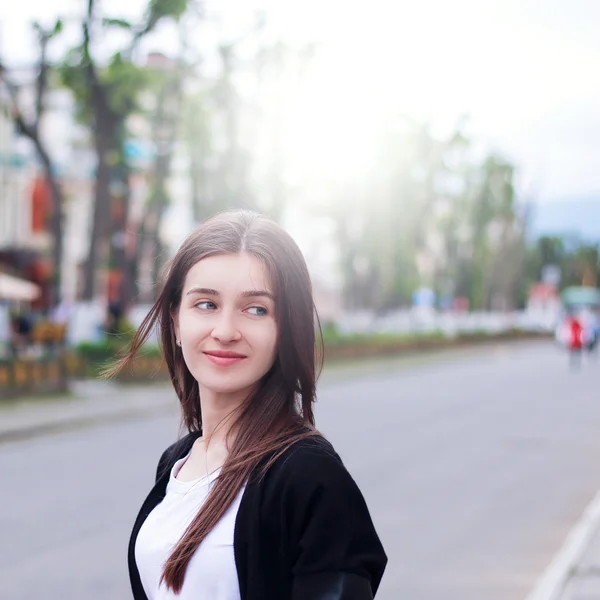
<point x="124" y="81"/>
<point x="579" y="262"/>
<point x="430" y="217"/>
<point x="124" y="332"/>
<point x="118" y="23"/>
<point x="48" y="34"/>
<point x="72" y="75"/>
<point x="120" y="78"/>
<point x="332" y="337"/>
<point x="160" y="9"/>
<point x="99" y="352"/>
<point x="197" y="124"/>
<point x="58" y="27"/>
<point x="97" y="356"/>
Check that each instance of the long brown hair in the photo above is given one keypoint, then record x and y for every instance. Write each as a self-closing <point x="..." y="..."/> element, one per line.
<point x="280" y="411"/>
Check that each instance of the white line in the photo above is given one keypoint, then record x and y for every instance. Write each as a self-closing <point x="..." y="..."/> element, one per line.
<point x="553" y="579"/>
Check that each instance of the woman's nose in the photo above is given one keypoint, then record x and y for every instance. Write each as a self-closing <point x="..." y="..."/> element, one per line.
<point x="226" y="329"/>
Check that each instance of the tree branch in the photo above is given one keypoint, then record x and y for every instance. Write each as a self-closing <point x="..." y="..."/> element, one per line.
<point x="157" y="11"/>
<point x="27" y="128"/>
<point x="10" y="86"/>
<point x="42" y="78"/>
<point x="98" y="96"/>
<point x="87" y="57"/>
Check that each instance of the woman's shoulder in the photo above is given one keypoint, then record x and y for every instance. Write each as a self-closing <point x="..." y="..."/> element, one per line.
<point x="313" y="448"/>
<point x="327" y="521"/>
<point x="310" y="462"/>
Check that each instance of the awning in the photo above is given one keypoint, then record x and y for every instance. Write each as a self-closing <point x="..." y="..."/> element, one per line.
<point x="581" y="296"/>
<point x="13" y="288"/>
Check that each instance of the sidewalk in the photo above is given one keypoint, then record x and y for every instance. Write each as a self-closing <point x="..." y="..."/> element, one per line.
<point x="90" y="402"/>
<point x="584" y="580"/>
<point x="574" y="573"/>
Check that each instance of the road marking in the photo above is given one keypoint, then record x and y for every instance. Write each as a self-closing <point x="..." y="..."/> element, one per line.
<point x="553" y="580"/>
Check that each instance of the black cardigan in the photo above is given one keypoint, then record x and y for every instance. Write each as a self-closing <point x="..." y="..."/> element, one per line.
<point x="302" y="532"/>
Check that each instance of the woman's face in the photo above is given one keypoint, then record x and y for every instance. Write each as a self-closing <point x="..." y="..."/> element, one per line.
<point x="226" y="322"/>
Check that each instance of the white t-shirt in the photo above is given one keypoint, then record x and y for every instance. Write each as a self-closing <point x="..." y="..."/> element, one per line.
<point x="211" y="573"/>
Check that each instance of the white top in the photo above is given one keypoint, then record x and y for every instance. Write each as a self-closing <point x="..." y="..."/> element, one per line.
<point x="211" y="573"/>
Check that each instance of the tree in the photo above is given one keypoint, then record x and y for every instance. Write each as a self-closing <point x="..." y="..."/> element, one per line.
<point x="165" y="121"/>
<point x="423" y="214"/>
<point x="578" y="261"/>
<point x="30" y="128"/>
<point x="199" y="147"/>
<point x="495" y="226"/>
<point x="588" y="264"/>
<point x="108" y="94"/>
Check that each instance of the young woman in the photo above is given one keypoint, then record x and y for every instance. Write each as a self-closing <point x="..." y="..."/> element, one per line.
<point x="252" y="504"/>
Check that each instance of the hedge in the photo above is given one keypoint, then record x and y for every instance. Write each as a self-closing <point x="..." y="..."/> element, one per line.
<point x="90" y="359"/>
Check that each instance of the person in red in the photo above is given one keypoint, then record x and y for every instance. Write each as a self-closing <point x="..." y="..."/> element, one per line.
<point x="574" y="331"/>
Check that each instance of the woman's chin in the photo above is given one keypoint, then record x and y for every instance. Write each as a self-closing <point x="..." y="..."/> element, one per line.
<point x="222" y="387"/>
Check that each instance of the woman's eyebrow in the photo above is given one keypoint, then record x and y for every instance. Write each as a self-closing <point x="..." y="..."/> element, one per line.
<point x="206" y="291"/>
<point x="246" y="294"/>
<point x="258" y="294"/>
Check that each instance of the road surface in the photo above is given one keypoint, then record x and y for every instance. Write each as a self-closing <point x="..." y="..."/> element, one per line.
<point x="474" y="469"/>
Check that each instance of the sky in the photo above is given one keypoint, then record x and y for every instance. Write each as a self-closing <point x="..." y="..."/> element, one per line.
<point x="525" y="72"/>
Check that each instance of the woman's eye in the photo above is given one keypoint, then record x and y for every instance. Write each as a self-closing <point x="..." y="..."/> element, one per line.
<point x="206" y="305"/>
<point x="259" y="311"/>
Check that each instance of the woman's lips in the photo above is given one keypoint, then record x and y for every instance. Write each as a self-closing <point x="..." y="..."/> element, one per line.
<point x="224" y="360"/>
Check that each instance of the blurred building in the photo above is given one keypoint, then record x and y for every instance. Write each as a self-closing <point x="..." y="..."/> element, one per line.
<point x="23" y="205"/>
<point x="25" y="197"/>
<point x="14" y="215"/>
<point x="543" y="304"/>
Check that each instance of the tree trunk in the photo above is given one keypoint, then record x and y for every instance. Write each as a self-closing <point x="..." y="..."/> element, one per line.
<point x="120" y="252"/>
<point x="166" y="120"/>
<point x="152" y="246"/>
<point x="197" y="182"/>
<point x="56" y="226"/>
<point x="106" y="145"/>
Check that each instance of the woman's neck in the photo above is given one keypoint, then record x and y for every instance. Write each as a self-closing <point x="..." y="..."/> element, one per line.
<point x="218" y="413"/>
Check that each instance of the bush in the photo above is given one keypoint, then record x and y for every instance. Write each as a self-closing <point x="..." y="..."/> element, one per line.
<point x="90" y="359"/>
<point x="332" y="337"/>
<point x="94" y="357"/>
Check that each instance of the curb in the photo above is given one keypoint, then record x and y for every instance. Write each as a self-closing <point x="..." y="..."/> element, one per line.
<point x="18" y="434"/>
<point x="553" y="580"/>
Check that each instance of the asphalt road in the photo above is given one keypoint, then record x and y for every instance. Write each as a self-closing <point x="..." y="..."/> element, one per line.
<point x="474" y="469"/>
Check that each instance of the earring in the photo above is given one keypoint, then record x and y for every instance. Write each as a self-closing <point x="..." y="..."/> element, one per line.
<point x="178" y="342"/>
